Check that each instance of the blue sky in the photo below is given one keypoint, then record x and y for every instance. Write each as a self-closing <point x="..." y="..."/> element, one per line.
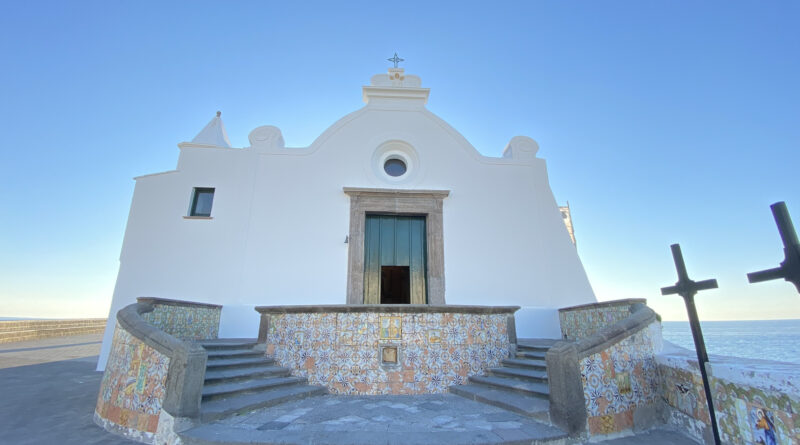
<point x="661" y="122"/>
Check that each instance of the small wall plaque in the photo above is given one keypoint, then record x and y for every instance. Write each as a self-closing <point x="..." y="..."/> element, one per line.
<point x="389" y="355"/>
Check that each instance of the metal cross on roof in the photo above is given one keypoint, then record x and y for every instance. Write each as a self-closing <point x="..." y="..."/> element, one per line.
<point x="395" y="59"/>
<point x="789" y="269"/>
<point x="687" y="288"/>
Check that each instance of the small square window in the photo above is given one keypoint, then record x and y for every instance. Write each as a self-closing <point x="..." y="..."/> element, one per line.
<point x="202" y="200"/>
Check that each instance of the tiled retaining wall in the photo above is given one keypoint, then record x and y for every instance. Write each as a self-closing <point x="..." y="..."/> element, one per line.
<point x="343" y="350"/>
<point x="583" y="321"/>
<point x="133" y="388"/>
<point x="619" y="380"/>
<point x="755" y="402"/>
<point x="184" y="320"/>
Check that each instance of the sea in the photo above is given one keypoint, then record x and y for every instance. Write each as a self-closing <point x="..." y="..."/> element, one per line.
<point x="776" y="340"/>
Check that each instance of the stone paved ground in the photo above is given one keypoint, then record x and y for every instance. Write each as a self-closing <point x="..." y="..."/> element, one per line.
<point x="367" y="420"/>
<point x="47" y="350"/>
<point x="49" y="388"/>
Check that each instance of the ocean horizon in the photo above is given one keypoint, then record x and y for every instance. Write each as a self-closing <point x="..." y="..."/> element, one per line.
<point x="776" y="340"/>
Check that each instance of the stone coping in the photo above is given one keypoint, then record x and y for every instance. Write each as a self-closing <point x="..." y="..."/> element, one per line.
<point x="355" y="191"/>
<point x="603" y="304"/>
<point x="388" y="308"/>
<point x="170" y="302"/>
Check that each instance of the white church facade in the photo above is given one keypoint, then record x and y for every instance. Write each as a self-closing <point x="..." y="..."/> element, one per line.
<point x="390" y="205"/>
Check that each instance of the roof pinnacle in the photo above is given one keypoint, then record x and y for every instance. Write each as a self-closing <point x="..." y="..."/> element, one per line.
<point x="395" y="59"/>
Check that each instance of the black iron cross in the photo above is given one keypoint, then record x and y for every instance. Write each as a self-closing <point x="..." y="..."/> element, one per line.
<point x="789" y="269"/>
<point x="687" y="289"/>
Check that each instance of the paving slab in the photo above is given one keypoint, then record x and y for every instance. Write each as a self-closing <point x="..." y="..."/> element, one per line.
<point x="338" y="420"/>
<point x="49" y="389"/>
<point x="659" y="436"/>
<point x="54" y="349"/>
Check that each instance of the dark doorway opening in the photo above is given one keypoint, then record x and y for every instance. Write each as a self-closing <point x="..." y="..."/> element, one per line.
<point x="395" y="285"/>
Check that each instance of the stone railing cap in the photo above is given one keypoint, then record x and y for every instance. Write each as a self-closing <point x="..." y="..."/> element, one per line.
<point x="388" y="308"/>
<point x="601" y="304"/>
<point x="359" y="191"/>
<point x="170" y="302"/>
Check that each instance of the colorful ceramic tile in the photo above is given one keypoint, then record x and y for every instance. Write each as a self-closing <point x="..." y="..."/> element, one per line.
<point x="133" y="385"/>
<point x="185" y="322"/>
<point x="350" y="359"/>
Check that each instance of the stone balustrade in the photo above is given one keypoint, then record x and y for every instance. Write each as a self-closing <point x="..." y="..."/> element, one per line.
<point x="154" y="378"/>
<point x="387" y="349"/>
<point x="606" y="382"/>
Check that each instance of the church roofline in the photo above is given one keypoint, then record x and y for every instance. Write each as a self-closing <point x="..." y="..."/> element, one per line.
<point x="395" y="86"/>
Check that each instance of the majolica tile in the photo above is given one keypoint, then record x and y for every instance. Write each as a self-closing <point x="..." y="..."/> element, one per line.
<point x="185" y="322"/>
<point x="133" y="384"/>
<point x="617" y="380"/>
<point x="433" y="350"/>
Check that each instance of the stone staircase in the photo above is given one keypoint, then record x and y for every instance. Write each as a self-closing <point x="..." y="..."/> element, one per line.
<point x="22" y="330"/>
<point x="240" y="378"/>
<point x="520" y="385"/>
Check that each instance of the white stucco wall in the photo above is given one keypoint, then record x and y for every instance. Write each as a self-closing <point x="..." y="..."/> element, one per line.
<point x="280" y="218"/>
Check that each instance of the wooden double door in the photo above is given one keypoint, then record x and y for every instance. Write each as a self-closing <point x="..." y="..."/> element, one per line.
<point x="394" y="260"/>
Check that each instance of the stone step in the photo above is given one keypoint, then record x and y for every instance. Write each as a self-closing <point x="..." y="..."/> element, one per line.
<point x="526" y="363"/>
<point x="238" y="363"/>
<point x="520" y="373"/>
<point x="541" y="344"/>
<point x="262" y="371"/>
<point x="532" y="348"/>
<point x="224" y="354"/>
<point x="228" y="389"/>
<point x="243" y="403"/>
<point x="228" y="343"/>
<point x="528" y="354"/>
<point x="534" y="389"/>
<point x="534" y="407"/>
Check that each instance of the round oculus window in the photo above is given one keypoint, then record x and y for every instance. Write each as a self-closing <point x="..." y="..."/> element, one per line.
<point x="395" y="167"/>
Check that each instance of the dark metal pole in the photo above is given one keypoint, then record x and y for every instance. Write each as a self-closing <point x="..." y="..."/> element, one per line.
<point x="702" y="359"/>
<point x="687" y="289"/>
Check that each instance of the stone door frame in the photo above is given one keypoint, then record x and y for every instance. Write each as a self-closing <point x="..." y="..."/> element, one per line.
<point x="426" y="203"/>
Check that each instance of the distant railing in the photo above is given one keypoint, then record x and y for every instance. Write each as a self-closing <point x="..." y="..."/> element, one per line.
<point x="21" y="330"/>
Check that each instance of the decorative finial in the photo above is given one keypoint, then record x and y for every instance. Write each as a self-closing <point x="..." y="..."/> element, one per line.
<point x="219" y="113"/>
<point x="396" y="60"/>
